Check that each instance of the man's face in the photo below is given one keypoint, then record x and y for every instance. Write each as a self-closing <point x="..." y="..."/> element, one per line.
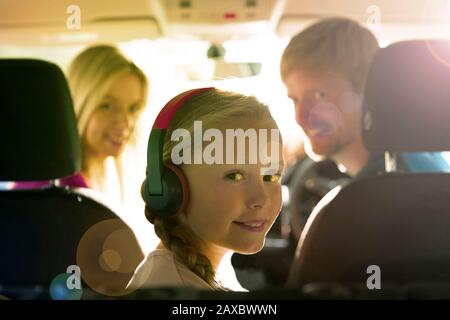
<point x="328" y="110"/>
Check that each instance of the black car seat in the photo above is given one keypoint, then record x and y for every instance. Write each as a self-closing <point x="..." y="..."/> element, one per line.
<point x="44" y="231"/>
<point x="399" y="222"/>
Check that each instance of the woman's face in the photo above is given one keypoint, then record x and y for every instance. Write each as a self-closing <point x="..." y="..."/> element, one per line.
<point x="113" y="121"/>
<point x="233" y="206"/>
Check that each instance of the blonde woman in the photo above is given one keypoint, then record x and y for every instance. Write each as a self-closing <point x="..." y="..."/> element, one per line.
<point x="109" y="92"/>
<point x="230" y="205"/>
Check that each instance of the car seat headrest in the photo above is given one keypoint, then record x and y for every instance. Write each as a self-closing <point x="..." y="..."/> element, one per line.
<point x="38" y="131"/>
<point x="407" y="99"/>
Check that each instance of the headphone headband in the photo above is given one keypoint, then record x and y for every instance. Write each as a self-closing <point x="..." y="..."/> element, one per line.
<point x="166" y="114"/>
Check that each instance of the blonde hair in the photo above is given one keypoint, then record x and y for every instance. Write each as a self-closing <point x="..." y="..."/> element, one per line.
<point x="90" y="75"/>
<point x="212" y="107"/>
<point x="336" y="45"/>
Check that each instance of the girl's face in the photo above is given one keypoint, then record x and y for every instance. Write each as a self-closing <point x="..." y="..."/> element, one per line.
<point x="113" y="121"/>
<point x="232" y="207"/>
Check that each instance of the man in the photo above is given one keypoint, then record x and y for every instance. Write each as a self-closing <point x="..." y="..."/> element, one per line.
<point x="324" y="68"/>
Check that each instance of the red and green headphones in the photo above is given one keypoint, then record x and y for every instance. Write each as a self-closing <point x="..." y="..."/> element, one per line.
<point x="165" y="189"/>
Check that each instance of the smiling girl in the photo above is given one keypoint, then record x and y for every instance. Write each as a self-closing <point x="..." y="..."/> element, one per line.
<point x="231" y="206"/>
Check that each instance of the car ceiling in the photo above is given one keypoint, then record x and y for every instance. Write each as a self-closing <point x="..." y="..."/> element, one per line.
<point x="37" y="22"/>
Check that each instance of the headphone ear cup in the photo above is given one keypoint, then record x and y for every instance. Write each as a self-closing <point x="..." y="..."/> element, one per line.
<point x="175" y="193"/>
<point x="184" y="186"/>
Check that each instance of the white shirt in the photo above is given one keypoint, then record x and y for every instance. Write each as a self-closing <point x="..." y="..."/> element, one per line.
<point x="162" y="269"/>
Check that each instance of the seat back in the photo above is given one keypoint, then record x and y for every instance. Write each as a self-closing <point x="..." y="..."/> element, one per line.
<point x="399" y="222"/>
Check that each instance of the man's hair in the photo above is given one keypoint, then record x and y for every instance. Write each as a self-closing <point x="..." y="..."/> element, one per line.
<point x="336" y="45"/>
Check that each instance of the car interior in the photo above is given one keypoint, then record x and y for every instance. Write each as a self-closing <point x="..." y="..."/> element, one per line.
<point x="331" y="228"/>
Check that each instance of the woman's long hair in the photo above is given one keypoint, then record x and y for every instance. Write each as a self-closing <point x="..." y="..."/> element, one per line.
<point x="90" y="75"/>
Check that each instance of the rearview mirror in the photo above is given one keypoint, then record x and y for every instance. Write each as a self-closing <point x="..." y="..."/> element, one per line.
<point x="217" y="68"/>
